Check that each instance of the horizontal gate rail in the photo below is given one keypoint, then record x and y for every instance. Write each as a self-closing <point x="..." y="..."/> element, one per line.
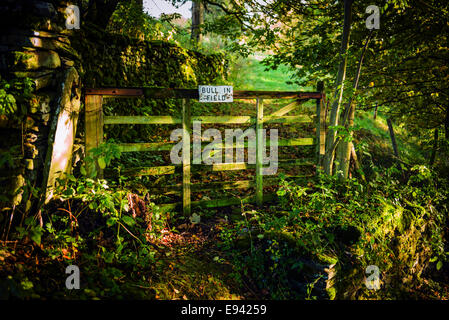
<point x="204" y="119"/>
<point x="164" y="170"/>
<point x="225" y="185"/>
<point x="164" y="93"/>
<point x="165" y="146"/>
<point x="141" y="120"/>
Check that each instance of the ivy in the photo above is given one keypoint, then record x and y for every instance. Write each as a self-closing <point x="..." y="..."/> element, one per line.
<point x="13" y="96"/>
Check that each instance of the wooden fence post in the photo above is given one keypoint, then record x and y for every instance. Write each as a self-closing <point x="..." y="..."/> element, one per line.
<point x="259" y="152"/>
<point x="186" y="157"/>
<point x="320" y="127"/>
<point x="94" y="124"/>
<point x="393" y="139"/>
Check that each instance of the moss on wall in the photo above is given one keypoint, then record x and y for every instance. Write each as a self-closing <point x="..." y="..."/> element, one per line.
<point x="116" y="60"/>
<point x="112" y="60"/>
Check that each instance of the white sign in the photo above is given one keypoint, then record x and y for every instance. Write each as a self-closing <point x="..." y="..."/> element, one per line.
<point x="215" y="93"/>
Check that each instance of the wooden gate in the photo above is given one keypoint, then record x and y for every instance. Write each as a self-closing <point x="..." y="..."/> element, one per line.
<point x="95" y="120"/>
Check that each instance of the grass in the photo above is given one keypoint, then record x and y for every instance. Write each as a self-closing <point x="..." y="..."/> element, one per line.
<point x="408" y="147"/>
<point x="250" y="74"/>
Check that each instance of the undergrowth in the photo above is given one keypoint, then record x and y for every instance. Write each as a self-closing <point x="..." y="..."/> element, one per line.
<point x="315" y="242"/>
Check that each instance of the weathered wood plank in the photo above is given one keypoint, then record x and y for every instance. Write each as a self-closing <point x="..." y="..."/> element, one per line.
<point x="275" y="95"/>
<point x="290" y="107"/>
<point x="259" y="152"/>
<point x="94" y="124"/>
<point x="223" y="119"/>
<point x="163" y="93"/>
<point x="166" y="146"/>
<point x="226" y="185"/>
<point x="287" y="119"/>
<point x="281" y="143"/>
<point x="114" y="92"/>
<point x="320" y="127"/>
<point x="231" y="166"/>
<point x="245" y="166"/>
<point x="186" y="157"/>
<point x="141" y="120"/>
<point x="295" y="142"/>
<point x="283" y="163"/>
<point x="150" y="146"/>
<point x="203" y="119"/>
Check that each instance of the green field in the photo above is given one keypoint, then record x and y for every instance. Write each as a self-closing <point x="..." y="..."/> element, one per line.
<point x="251" y="74"/>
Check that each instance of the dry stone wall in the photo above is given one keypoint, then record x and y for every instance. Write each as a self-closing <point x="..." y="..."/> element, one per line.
<point x="36" y="46"/>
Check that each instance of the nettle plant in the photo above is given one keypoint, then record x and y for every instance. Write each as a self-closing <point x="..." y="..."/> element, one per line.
<point x="104" y="211"/>
<point x="13" y="96"/>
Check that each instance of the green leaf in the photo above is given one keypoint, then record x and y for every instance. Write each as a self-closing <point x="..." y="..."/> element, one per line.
<point x="111" y="221"/>
<point x="281" y="192"/>
<point x="36" y="235"/>
<point x="439" y="265"/>
<point x="128" y="220"/>
<point x="298" y="265"/>
<point x="27" y="284"/>
<point x="101" y="163"/>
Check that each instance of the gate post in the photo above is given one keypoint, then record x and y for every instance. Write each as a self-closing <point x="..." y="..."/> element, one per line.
<point x="259" y="152"/>
<point x="320" y="127"/>
<point x="94" y="125"/>
<point x="186" y="157"/>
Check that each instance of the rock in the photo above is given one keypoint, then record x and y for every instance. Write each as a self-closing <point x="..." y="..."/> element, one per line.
<point x="42" y="79"/>
<point x="40" y="103"/>
<point x="54" y="44"/>
<point x="67" y="62"/>
<point x="63" y="131"/>
<point x="29" y="164"/>
<point x="31" y="137"/>
<point x="30" y="150"/>
<point x="29" y="122"/>
<point x="45" y="118"/>
<point x="17" y="183"/>
<point x="33" y="60"/>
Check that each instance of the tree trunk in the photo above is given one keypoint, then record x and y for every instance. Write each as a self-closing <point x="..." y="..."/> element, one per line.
<point x="347" y="119"/>
<point x="100" y="11"/>
<point x="344" y="148"/>
<point x="197" y="20"/>
<point x="435" y="147"/>
<point x="339" y="86"/>
<point x="357" y="166"/>
<point x="446" y="124"/>
<point x="393" y="139"/>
